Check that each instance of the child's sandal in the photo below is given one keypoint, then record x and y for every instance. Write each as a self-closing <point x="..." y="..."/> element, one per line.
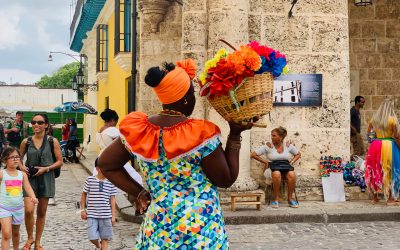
<point x="38" y="247"/>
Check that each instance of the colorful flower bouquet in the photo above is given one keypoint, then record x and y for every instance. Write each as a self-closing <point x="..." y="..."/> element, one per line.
<point x="240" y="83"/>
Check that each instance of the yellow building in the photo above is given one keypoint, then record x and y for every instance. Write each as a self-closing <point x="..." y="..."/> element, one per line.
<point x="96" y="27"/>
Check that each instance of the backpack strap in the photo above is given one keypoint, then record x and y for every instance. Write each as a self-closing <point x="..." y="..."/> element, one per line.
<point x="50" y="139"/>
<point x="51" y="142"/>
<point x="28" y="143"/>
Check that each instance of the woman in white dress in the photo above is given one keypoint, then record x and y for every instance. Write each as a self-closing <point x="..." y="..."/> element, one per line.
<point x="107" y="134"/>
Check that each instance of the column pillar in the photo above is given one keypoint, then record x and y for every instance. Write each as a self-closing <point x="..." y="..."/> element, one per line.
<point x="90" y="128"/>
<point x="229" y="20"/>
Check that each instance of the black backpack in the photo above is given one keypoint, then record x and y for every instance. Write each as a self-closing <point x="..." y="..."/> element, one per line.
<point x="50" y="139"/>
<point x="14" y="137"/>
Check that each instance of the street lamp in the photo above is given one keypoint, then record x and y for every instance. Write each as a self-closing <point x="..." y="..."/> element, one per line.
<point x="79" y="76"/>
<point x="78" y="82"/>
<point x="50" y="59"/>
<point x="74" y="84"/>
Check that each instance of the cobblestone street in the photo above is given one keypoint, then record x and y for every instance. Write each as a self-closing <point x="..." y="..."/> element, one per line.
<point x="65" y="229"/>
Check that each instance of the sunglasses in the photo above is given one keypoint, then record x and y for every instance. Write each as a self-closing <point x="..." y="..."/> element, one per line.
<point x="16" y="157"/>
<point x="37" y="122"/>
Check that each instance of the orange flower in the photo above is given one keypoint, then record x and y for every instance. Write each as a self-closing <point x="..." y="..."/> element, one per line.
<point x="245" y="57"/>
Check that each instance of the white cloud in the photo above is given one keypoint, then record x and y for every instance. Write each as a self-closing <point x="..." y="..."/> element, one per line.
<point x="29" y="30"/>
<point x="11" y="34"/>
<point x="18" y="75"/>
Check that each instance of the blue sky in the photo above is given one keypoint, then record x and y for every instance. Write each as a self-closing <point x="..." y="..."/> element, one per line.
<point x="29" y="30"/>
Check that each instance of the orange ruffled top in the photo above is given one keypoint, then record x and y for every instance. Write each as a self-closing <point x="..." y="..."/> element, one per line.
<point x="141" y="137"/>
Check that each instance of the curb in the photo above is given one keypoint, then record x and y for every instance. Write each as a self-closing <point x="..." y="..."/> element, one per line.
<point x="268" y="215"/>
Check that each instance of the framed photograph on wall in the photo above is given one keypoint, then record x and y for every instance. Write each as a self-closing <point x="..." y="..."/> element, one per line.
<point x="298" y="90"/>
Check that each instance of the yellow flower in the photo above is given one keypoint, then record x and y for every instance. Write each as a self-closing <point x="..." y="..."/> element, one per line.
<point x="203" y="77"/>
<point x="285" y="69"/>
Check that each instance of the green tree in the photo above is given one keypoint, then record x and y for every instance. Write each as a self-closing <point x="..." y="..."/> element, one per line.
<point x="60" y="79"/>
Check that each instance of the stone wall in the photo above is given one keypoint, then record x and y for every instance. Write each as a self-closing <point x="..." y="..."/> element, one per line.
<point x="375" y="53"/>
<point x="315" y="40"/>
<point x="156" y="48"/>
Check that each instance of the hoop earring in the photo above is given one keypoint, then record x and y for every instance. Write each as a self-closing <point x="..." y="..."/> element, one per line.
<point x="185" y="101"/>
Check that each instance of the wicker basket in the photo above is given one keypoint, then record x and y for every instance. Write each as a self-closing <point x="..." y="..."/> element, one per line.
<point x="254" y="97"/>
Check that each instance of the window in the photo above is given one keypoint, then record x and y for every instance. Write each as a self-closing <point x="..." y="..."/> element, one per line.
<point x="102" y="48"/>
<point x="122" y="26"/>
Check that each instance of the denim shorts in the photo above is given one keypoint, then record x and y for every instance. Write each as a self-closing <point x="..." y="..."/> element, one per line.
<point x="100" y="229"/>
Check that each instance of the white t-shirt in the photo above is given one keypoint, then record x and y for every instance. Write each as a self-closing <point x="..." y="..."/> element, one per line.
<point x="104" y="139"/>
<point x="273" y="155"/>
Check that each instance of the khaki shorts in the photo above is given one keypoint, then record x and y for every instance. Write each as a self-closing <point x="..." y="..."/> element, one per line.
<point x="358" y="144"/>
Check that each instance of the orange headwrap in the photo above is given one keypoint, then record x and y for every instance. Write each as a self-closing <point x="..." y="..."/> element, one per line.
<point x="177" y="82"/>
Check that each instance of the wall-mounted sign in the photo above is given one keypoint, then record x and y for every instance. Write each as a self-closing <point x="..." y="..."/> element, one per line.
<point x="298" y="90"/>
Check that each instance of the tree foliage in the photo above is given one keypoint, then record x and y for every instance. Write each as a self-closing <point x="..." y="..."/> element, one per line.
<point x="60" y="79"/>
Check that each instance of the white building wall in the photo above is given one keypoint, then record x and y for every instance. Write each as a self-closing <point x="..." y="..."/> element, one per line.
<point x="13" y="98"/>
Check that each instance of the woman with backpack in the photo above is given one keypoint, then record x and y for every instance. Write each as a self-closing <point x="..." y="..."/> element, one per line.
<point x="43" y="157"/>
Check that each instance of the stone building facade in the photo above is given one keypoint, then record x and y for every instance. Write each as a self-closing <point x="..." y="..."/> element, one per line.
<point x="332" y="38"/>
<point x="375" y="54"/>
<point x="315" y="40"/>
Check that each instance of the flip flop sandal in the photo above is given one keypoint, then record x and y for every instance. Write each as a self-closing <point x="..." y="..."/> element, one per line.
<point x="293" y="204"/>
<point x="391" y="203"/>
<point x="39" y="247"/>
<point x="275" y="204"/>
<point x="28" y="245"/>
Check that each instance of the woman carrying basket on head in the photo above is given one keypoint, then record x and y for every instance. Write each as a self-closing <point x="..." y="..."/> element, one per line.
<point x="183" y="162"/>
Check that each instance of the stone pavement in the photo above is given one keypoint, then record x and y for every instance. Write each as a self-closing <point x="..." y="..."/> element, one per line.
<point x="65" y="229"/>
<point x="358" y="235"/>
<point x="308" y="211"/>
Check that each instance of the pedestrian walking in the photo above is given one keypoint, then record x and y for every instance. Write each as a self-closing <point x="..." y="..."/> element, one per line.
<point x="73" y="141"/>
<point x="12" y="181"/>
<point x="98" y="201"/>
<point x="107" y="134"/>
<point x="382" y="173"/>
<point x="65" y="130"/>
<point x="17" y="130"/>
<point x="43" y="157"/>
<point x="355" y="125"/>
<point x="183" y="162"/>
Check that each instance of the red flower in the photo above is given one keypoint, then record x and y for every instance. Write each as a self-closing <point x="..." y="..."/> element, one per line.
<point x="222" y="77"/>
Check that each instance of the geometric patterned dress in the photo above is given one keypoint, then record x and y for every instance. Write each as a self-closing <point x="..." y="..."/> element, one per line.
<point x="185" y="211"/>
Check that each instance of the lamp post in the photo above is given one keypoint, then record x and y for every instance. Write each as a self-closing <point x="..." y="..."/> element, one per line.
<point x="50" y="59"/>
<point x="78" y="82"/>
